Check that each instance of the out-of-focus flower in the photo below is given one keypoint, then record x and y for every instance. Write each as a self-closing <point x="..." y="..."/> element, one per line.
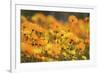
<point x="26" y="48"/>
<point x="39" y="18"/>
<point x="72" y="20"/>
<point x="80" y="47"/>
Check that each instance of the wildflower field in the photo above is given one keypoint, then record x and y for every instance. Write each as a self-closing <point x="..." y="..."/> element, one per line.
<point x="54" y="36"/>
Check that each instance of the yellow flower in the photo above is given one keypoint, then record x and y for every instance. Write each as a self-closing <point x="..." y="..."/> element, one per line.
<point x="72" y="37"/>
<point x="72" y="52"/>
<point x="64" y="54"/>
<point x="84" y="57"/>
<point x="37" y="51"/>
<point x="54" y="51"/>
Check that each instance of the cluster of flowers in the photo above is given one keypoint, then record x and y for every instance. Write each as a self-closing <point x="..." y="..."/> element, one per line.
<point x="44" y="38"/>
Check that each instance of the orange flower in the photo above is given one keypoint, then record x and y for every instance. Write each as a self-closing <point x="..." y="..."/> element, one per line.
<point x="72" y="19"/>
<point x="86" y="19"/>
<point x="23" y="19"/>
<point x="81" y="46"/>
<point x="39" y="18"/>
<point x="26" y="48"/>
<point x="53" y="23"/>
<point x="34" y="36"/>
<point x="40" y="29"/>
<point x="37" y="28"/>
<point x="87" y="41"/>
<point x="27" y="26"/>
<point x="72" y="37"/>
<point x="41" y="42"/>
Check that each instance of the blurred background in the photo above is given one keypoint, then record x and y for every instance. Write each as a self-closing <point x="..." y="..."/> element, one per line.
<point x="62" y="16"/>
